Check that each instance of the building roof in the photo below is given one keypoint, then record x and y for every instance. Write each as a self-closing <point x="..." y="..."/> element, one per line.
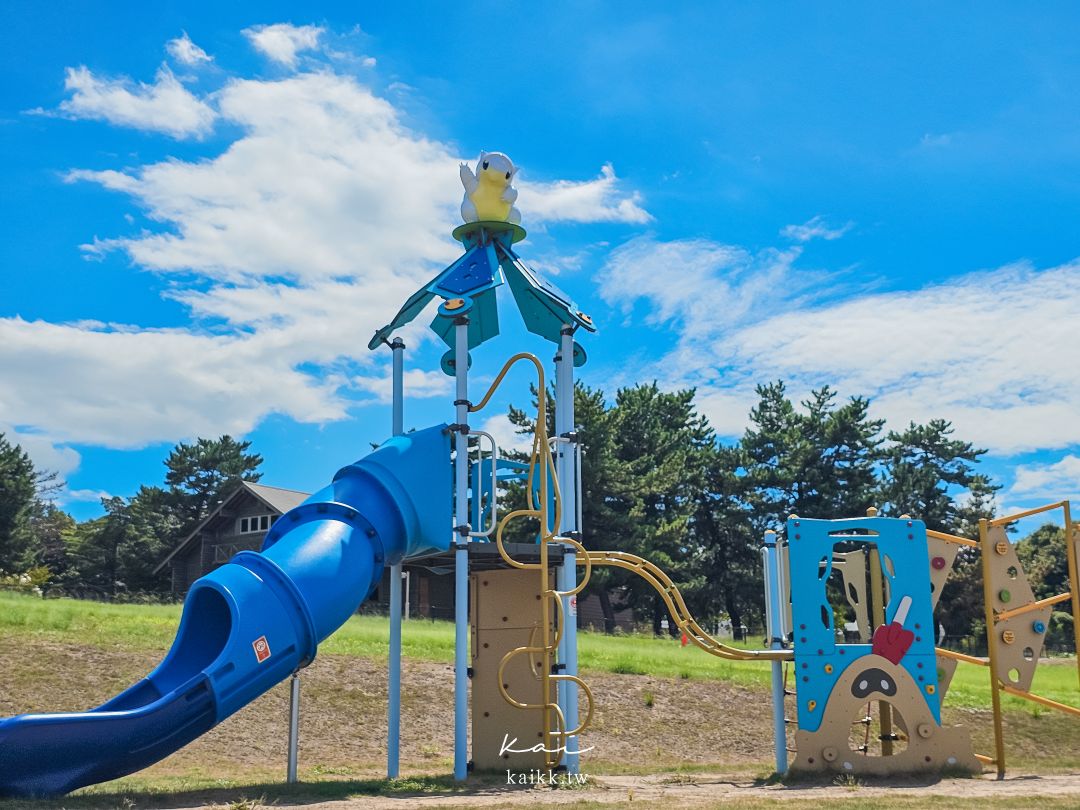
<point x="275" y="497"/>
<point x="278" y="499"/>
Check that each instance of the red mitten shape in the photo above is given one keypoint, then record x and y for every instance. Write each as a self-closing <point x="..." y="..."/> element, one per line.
<point x="892" y="641"/>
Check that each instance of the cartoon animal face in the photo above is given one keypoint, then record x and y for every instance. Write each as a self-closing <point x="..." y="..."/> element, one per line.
<point x="495" y="168"/>
<point x="873" y="681"/>
<point x="930" y="746"/>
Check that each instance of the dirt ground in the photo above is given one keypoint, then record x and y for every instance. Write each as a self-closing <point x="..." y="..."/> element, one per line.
<point x="698" y="743"/>
<point x="704" y="790"/>
<point x="343" y="715"/>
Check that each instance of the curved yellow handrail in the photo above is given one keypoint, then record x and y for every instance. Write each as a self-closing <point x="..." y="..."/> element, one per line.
<point x="542" y="464"/>
<point x="676" y="606"/>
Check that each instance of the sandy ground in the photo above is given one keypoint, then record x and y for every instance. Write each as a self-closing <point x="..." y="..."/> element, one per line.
<point x="343" y="719"/>
<point x="714" y="729"/>
<point x="704" y="790"/>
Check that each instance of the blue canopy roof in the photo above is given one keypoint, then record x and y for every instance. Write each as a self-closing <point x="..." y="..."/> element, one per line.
<point x="488" y="262"/>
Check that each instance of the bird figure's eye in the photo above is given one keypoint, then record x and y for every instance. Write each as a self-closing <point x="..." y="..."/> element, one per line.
<point x="508" y="175"/>
<point x="485" y="164"/>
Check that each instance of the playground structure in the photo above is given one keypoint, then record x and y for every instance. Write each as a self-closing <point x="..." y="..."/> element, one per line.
<point x="431" y="497"/>
<point x="892" y="574"/>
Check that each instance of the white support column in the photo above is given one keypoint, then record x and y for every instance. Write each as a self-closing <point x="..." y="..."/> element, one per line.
<point x="774" y="613"/>
<point x="568" y="474"/>
<point x="461" y="554"/>
<point x="294" y="726"/>
<point x="393" y="704"/>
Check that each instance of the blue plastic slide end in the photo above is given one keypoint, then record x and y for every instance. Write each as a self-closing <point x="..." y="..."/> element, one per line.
<point x="250" y="623"/>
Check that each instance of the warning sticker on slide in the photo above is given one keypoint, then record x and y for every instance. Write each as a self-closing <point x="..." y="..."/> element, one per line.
<point x="262" y="649"/>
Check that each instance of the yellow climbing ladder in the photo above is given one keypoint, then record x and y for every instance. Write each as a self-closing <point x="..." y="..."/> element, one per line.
<point x="555" y="734"/>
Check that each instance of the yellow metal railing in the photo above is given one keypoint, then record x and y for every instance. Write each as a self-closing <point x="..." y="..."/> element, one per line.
<point x="676" y="605"/>
<point x="552" y="622"/>
<point x="551" y="627"/>
<point x="997" y="686"/>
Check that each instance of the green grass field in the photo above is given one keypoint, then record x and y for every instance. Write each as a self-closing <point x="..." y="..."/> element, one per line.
<point x="1039" y="744"/>
<point x="152" y="627"/>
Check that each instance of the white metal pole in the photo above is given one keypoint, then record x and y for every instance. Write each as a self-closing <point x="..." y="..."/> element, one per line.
<point x="568" y="474"/>
<point x="773" y="620"/>
<point x="560" y="472"/>
<point x="461" y="544"/>
<point x="393" y="710"/>
<point x="294" y="726"/>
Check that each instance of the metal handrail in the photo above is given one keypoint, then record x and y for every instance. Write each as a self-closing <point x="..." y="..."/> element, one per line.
<point x="676" y="606"/>
<point x="494" y="482"/>
<point x="542" y="464"/>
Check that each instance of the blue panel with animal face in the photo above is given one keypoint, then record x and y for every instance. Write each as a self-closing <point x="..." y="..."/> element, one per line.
<point x="901" y="655"/>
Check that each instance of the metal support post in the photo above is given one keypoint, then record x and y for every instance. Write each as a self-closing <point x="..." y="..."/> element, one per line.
<point x="985" y="549"/>
<point x="877" y="618"/>
<point x="398" y="386"/>
<point x="393" y="710"/>
<point x="1072" y="551"/>
<point x="294" y="726"/>
<point x="774" y="611"/>
<point x="461" y="555"/>
<point x="568" y="475"/>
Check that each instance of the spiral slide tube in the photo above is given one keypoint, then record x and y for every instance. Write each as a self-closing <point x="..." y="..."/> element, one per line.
<point x="250" y="623"/>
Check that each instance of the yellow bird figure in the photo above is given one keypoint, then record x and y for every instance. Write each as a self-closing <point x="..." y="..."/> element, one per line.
<point x="489" y="195"/>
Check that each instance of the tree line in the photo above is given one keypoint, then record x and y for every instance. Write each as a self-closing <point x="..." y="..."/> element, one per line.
<point x="658" y="482"/>
<point x="44" y="548"/>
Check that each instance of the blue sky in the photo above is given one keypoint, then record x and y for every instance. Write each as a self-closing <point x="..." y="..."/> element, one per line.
<point x="208" y="209"/>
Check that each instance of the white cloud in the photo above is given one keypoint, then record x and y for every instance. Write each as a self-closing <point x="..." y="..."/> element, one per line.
<point x="991" y="351"/>
<point x="557" y="264"/>
<point x="988" y="351"/>
<point x="164" y="106"/>
<point x="127" y="387"/>
<point x="596" y="200"/>
<point x="84" y="495"/>
<point x="702" y="285"/>
<point x="506" y="435"/>
<point x="726" y="410"/>
<point x="815" y="228"/>
<point x="325" y="179"/>
<point x="1060" y="479"/>
<point x="186" y="52"/>
<point x="932" y="140"/>
<point x="46" y="454"/>
<point x="417" y="383"/>
<point x="288" y="248"/>
<point x="282" y="42"/>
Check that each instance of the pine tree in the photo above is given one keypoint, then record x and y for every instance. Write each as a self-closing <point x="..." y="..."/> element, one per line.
<point x="1045" y="560"/>
<point x="659" y="443"/>
<point x="923" y="471"/>
<point x="820" y="462"/>
<point x="18" y="487"/>
<point x="729" y="548"/>
<point x="960" y="608"/>
<point x="200" y="473"/>
<point x="49" y="531"/>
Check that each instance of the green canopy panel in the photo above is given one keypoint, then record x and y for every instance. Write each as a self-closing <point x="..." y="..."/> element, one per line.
<point x="543" y="306"/>
<point x="471" y="281"/>
<point x="483" y="321"/>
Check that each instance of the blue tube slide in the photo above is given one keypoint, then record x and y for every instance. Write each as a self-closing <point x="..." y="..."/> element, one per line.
<point x="250" y="623"/>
